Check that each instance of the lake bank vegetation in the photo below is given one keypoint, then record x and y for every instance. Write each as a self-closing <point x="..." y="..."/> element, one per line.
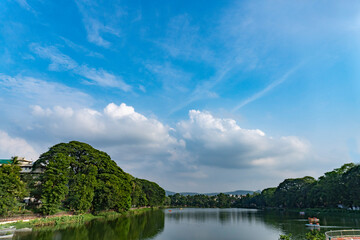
<point x="77" y="178"/>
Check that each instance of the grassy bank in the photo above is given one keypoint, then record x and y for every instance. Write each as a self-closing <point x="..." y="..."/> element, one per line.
<point x="72" y="219"/>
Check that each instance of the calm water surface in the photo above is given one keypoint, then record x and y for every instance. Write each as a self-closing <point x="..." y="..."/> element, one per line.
<point x="192" y="223"/>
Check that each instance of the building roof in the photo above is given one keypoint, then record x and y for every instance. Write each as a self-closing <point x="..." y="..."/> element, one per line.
<point x="5" y="161"/>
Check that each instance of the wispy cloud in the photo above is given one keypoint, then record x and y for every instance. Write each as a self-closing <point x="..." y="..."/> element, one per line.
<point x="102" y="77"/>
<point x="204" y="90"/>
<point x="171" y="77"/>
<point x="39" y="91"/>
<point x="182" y="40"/>
<point x="95" y="29"/>
<point x="59" y="61"/>
<point x="268" y="88"/>
<point x="24" y="4"/>
<point x="81" y="49"/>
<point x="99" y="22"/>
<point x="62" y="62"/>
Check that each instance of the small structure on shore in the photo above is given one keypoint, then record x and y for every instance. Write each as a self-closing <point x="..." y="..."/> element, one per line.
<point x="24" y="164"/>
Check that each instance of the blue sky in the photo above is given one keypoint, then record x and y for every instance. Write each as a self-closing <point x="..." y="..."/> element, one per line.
<point x="196" y="95"/>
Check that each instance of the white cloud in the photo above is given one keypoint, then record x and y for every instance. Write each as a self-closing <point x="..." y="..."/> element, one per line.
<point x="123" y="111"/>
<point x="62" y="62"/>
<point x="13" y="146"/>
<point x="222" y="143"/>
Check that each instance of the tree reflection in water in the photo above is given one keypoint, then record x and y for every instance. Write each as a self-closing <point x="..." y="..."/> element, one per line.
<point x="143" y="226"/>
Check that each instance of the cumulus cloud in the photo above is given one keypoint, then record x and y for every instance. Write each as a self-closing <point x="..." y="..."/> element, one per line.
<point x="222" y="143"/>
<point x="202" y="140"/>
<point x="62" y="62"/>
<point x="118" y="128"/>
<point x="194" y="153"/>
<point x="13" y="146"/>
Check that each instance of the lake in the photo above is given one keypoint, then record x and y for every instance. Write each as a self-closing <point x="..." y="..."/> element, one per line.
<point x="193" y="223"/>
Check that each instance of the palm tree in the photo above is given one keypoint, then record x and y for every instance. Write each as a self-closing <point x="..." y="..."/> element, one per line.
<point x="15" y="160"/>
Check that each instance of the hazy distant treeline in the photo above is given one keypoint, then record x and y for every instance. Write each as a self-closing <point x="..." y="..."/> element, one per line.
<point x="202" y="201"/>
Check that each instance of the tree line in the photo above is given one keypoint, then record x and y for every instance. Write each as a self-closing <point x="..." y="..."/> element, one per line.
<point x="77" y="177"/>
<point x="339" y="187"/>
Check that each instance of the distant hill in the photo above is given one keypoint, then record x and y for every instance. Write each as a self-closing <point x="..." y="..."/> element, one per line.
<point x="237" y="192"/>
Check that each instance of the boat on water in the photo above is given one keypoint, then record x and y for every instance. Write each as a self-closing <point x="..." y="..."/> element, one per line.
<point x="313" y="222"/>
<point x="313" y="225"/>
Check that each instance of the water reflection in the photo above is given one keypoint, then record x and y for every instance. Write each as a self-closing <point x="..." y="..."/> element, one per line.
<point x="143" y="226"/>
<point x="223" y="216"/>
<point x="199" y="224"/>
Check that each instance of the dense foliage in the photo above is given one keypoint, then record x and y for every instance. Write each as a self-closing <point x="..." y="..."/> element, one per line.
<point x="312" y="235"/>
<point x="146" y="193"/>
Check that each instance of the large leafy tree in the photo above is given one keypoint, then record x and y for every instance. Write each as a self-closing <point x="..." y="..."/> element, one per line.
<point x="351" y="180"/>
<point x="293" y="193"/>
<point x="331" y="190"/>
<point x="94" y="181"/>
